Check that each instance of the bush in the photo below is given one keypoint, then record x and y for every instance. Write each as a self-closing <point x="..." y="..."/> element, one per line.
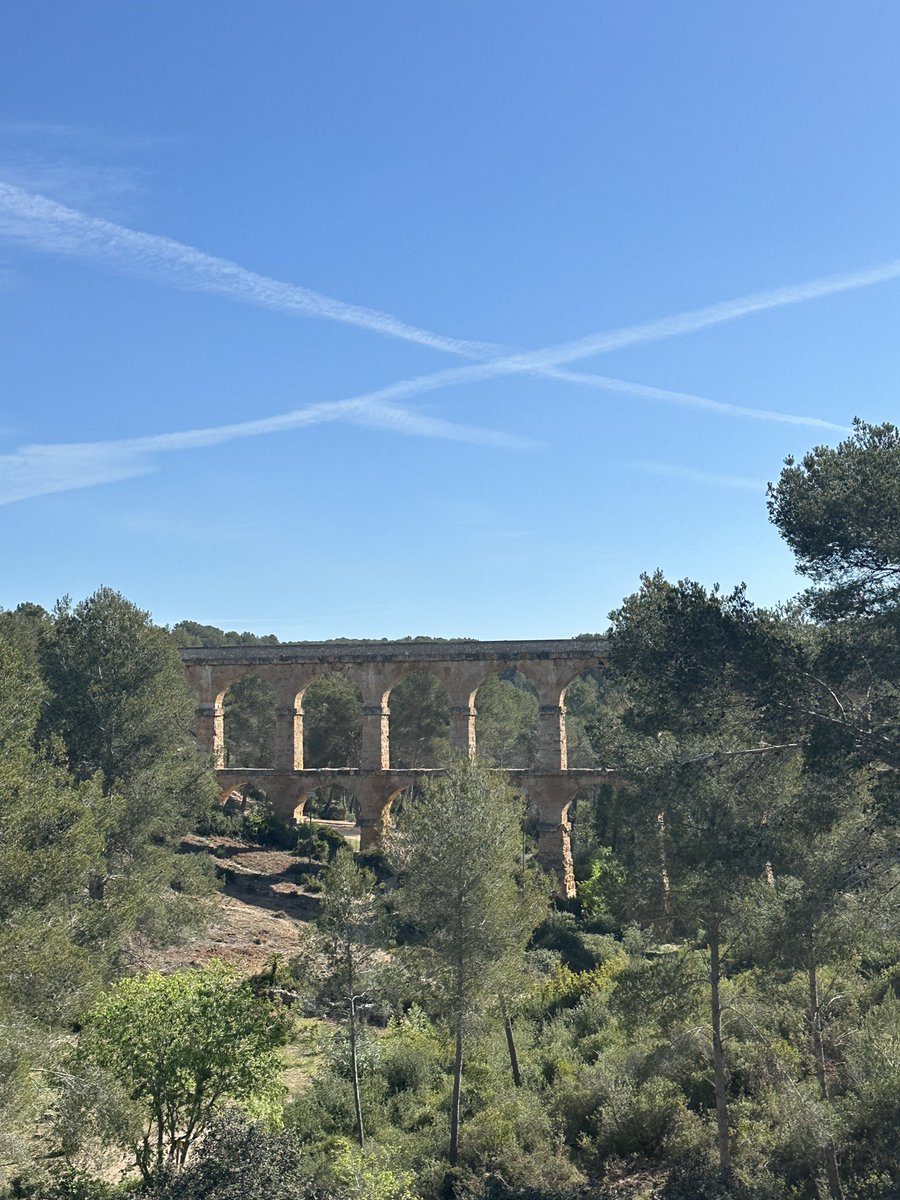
<point x="412" y="1053"/>
<point x="560" y="932"/>
<point x="239" y="1160"/>
<point x="65" y="1183"/>
<point x="317" y="842"/>
<point x="263" y="825"/>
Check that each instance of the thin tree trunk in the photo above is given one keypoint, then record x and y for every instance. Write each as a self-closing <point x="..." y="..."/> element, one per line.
<point x="664" y="876"/>
<point x="511" y="1045"/>
<point x="831" y="1164"/>
<point x="457" y="1087"/>
<point x="724" y="1137"/>
<point x="354" y="1065"/>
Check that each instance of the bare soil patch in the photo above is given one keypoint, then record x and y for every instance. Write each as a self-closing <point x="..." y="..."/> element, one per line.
<point x="261" y="911"/>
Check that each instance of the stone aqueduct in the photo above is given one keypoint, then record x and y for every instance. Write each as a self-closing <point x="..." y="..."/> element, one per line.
<point x="376" y="668"/>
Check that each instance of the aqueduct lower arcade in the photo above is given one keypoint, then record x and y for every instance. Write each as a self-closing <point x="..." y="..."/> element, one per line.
<point x="376" y="668"/>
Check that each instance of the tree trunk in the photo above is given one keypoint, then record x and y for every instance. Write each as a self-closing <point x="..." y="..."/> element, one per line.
<point x="457" y="1088"/>
<point x="831" y="1165"/>
<point x="511" y="1045"/>
<point x="664" y="877"/>
<point x="354" y="1062"/>
<point x="724" y="1137"/>
<point x="354" y="1065"/>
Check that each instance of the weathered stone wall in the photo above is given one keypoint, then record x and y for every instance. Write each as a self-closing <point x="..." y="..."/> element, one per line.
<point x="376" y="668"/>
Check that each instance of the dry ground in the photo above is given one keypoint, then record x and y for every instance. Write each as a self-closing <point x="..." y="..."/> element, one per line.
<point x="262" y="909"/>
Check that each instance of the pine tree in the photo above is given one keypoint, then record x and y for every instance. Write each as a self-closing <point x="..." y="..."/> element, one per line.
<point x="458" y="849"/>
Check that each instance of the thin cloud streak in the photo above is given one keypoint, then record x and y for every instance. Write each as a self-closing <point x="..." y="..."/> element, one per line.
<point x="671" y="471"/>
<point x="48" y="226"/>
<point x="545" y="361"/>
<point x="40" y="470"/>
<point x="690" y="400"/>
<point x="52" y="228"/>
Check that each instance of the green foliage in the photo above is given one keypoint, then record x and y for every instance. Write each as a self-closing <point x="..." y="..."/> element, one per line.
<point x="264" y="824"/>
<point x="839" y="511"/>
<point x="250" y="723"/>
<point x="118" y="696"/>
<point x="601" y="891"/>
<point x="239" y="1159"/>
<point x="352" y="926"/>
<point x="191" y="633"/>
<point x="584" y="700"/>
<point x="178" y="1046"/>
<point x="458" y="851"/>
<point x="458" y="848"/>
<point x="420" y="722"/>
<point x="332" y="722"/>
<point x="117" y="701"/>
<point x="507" y="721"/>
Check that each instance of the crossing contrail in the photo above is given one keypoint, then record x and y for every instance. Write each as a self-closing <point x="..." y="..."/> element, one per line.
<point x="49" y="227"/>
<point x="41" y="469"/>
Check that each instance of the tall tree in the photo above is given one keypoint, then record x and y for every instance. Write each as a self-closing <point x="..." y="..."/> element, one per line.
<point x="250" y="723"/>
<point x="839" y="511"/>
<point x="458" y="849"/>
<point x="53" y="954"/>
<point x="507" y="721"/>
<point x="119" y="704"/>
<point x="708" y="787"/>
<point x="420" y="722"/>
<point x="353" y="928"/>
<point x="332" y="722"/>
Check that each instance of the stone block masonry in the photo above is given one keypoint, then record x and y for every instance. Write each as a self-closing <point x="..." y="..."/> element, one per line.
<point x="376" y="668"/>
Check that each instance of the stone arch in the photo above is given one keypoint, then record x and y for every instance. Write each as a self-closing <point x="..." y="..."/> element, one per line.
<point x="507" y="719"/>
<point x="580" y="702"/>
<point x="248" y="708"/>
<point x="400" y="796"/>
<point x="329" y="800"/>
<point x="331" y="707"/>
<point x="419" y="707"/>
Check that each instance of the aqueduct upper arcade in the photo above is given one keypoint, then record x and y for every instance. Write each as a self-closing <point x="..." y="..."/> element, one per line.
<point x="376" y="668"/>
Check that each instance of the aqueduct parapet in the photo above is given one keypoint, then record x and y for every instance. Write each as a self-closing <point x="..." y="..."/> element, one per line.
<point x="376" y="668"/>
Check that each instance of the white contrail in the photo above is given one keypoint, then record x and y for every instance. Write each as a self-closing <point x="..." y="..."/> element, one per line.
<point x="690" y="400"/>
<point x="672" y="471"/>
<point x="39" y="470"/>
<point x="545" y="361"/>
<point x="53" y="228"/>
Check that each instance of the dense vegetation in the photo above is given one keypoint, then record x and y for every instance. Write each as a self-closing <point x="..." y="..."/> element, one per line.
<point x="718" y="1015"/>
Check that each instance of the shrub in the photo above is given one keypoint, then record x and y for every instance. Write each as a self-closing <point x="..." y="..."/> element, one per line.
<point x="263" y="825"/>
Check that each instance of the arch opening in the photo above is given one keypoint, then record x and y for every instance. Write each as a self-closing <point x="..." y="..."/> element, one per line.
<point x="583" y="700"/>
<point x="596" y="843"/>
<point x="327" y="818"/>
<point x="332" y="722"/>
<point x="506" y="720"/>
<point x="419" y="722"/>
<point x="398" y="800"/>
<point x="249" y="707"/>
<point x="329" y="802"/>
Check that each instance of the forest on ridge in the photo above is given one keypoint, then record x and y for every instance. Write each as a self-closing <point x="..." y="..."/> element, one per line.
<point x="717" y="1013"/>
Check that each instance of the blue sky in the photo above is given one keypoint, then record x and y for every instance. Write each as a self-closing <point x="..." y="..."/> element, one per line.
<point x="420" y="230"/>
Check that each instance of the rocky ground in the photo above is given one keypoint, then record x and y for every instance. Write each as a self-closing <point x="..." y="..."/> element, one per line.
<point x="262" y="910"/>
